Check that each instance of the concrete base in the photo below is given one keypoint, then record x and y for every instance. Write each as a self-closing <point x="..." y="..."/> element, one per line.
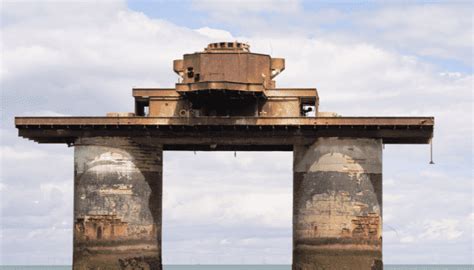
<point x="337" y="218"/>
<point x="117" y="204"/>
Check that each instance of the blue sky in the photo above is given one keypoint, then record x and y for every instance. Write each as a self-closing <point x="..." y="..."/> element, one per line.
<point x="365" y="58"/>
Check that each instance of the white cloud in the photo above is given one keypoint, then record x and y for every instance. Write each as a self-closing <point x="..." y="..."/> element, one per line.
<point x="389" y="182"/>
<point x="392" y="198"/>
<point x="14" y="154"/>
<point x="43" y="113"/>
<point x="215" y="34"/>
<point x="242" y="192"/>
<point x="435" y="30"/>
<point x="233" y="7"/>
<point x="246" y="207"/>
<point x="438" y="30"/>
<point x="407" y="239"/>
<point x="72" y="57"/>
<point x="441" y="229"/>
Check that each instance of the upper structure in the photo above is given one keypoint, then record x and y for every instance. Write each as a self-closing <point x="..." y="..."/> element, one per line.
<point x="227" y="97"/>
<point x="226" y="79"/>
<point x="227" y="66"/>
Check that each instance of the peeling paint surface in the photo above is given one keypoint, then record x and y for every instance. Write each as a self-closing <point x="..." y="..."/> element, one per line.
<point x="338" y="155"/>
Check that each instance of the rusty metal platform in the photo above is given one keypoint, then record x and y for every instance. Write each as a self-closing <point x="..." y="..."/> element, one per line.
<point x="228" y="133"/>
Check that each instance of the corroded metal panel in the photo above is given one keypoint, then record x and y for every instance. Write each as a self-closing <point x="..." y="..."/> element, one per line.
<point x="337" y="218"/>
<point x="229" y="63"/>
<point x="117" y="204"/>
<point x="403" y="122"/>
<point x="280" y="107"/>
<point x="169" y="107"/>
<point x="237" y="131"/>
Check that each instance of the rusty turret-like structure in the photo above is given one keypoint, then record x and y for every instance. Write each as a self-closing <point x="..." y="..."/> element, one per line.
<point x="226" y="79"/>
<point x="227" y="66"/>
<point x="227" y="99"/>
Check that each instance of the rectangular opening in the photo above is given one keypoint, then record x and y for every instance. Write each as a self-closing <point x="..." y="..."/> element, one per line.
<point x="142" y="107"/>
<point x="308" y="107"/>
<point x="227" y="208"/>
<point x="190" y="72"/>
<point x="146" y="110"/>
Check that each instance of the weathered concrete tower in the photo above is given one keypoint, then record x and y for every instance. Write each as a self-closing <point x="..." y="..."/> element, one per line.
<point x="117" y="203"/>
<point x="338" y="204"/>
<point x="226" y="99"/>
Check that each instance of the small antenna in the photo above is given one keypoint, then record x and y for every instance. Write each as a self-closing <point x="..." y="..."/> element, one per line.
<point x="431" y="152"/>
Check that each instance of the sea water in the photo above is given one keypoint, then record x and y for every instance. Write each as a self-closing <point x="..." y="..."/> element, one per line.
<point x="251" y="267"/>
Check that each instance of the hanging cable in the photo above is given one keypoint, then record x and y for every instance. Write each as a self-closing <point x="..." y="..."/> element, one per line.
<point x="431" y="152"/>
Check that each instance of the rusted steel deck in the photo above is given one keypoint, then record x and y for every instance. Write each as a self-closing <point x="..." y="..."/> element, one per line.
<point x="228" y="133"/>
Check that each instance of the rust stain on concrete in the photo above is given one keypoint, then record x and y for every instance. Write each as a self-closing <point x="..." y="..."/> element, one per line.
<point x="100" y="227"/>
<point x="118" y="190"/>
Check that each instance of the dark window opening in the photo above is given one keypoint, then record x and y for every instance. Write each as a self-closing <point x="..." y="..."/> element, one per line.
<point x="308" y="107"/>
<point x="146" y="110"/>
<point x="190" y="72"/>
<point x="141" y="107"/>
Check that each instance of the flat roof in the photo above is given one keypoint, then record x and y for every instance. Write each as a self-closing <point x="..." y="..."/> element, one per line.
<point x="276" y="92"/>
<point x="228" y="133"/>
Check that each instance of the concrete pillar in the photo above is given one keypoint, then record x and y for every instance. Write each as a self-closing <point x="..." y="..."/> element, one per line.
<point x="117" y="204"/>
<point x="337" y="208"/>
